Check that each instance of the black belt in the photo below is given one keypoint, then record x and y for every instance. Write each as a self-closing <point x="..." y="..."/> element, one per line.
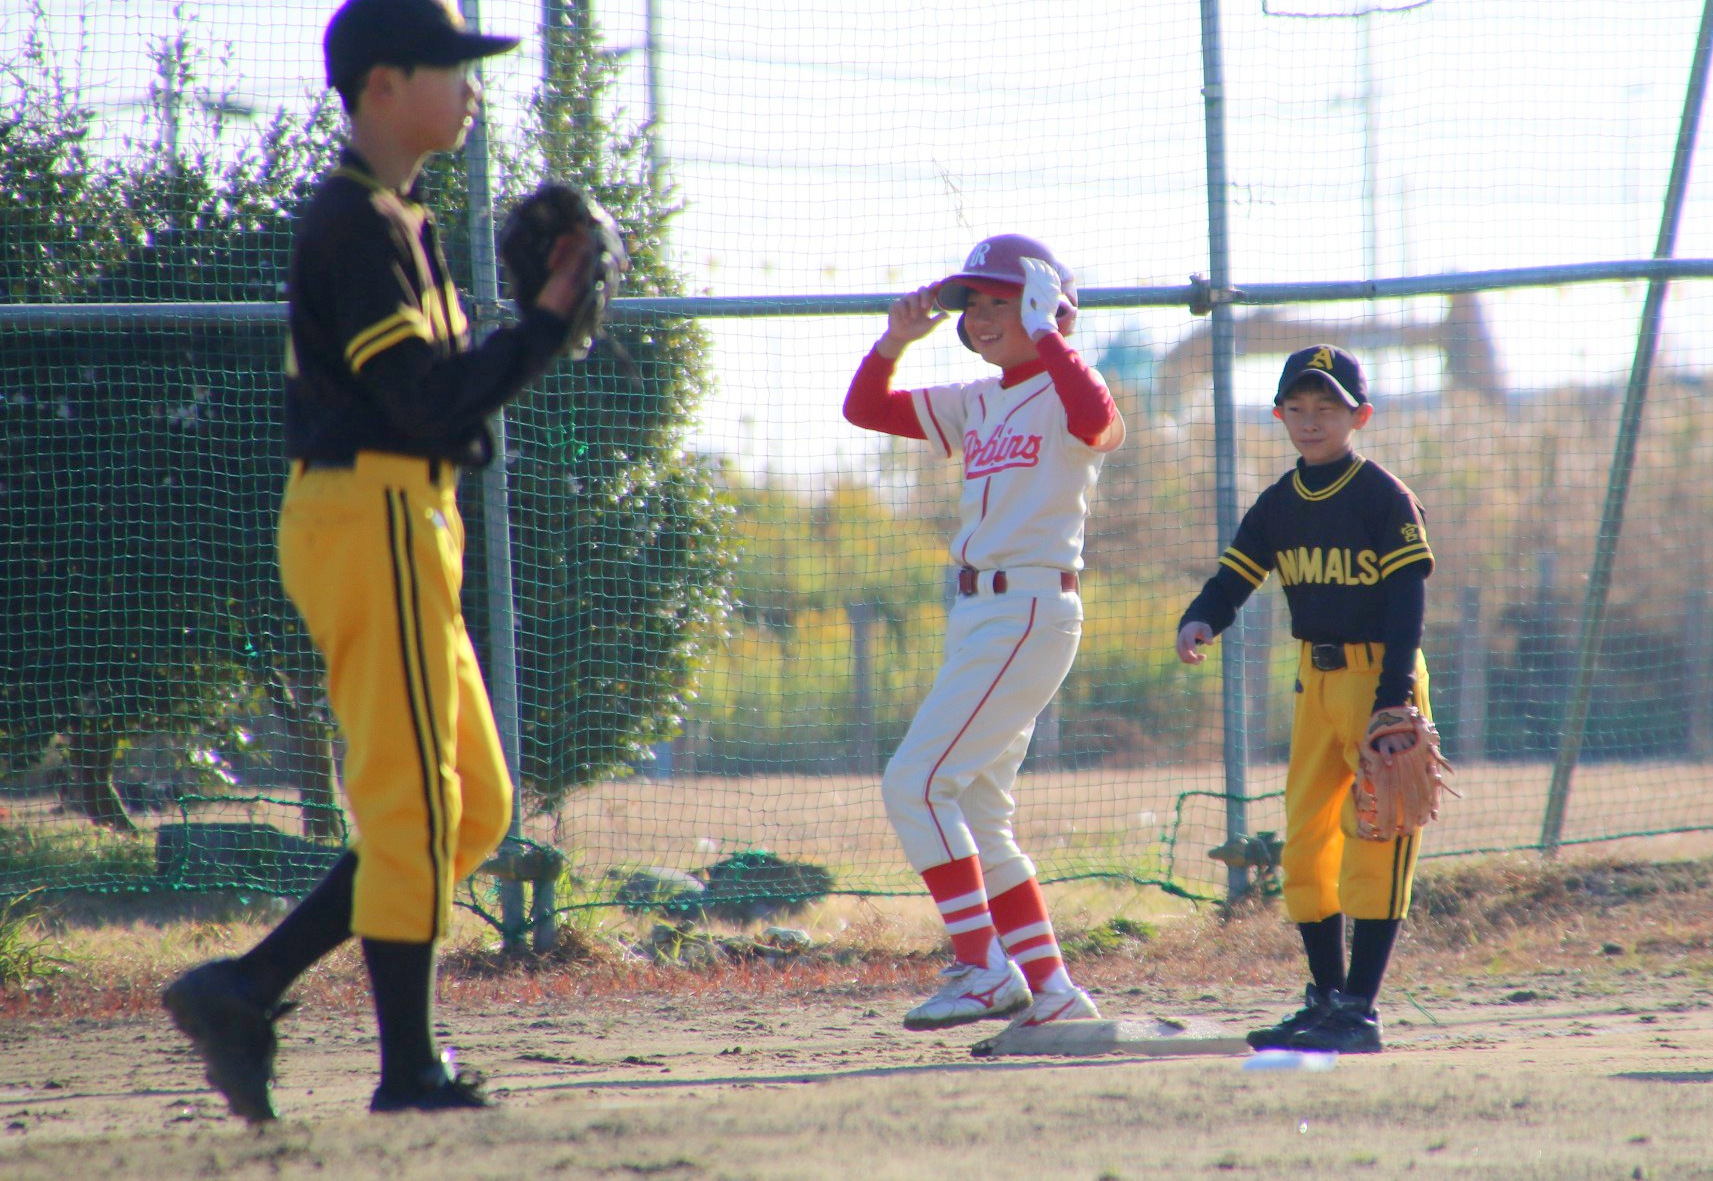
<point x="349" y="464"/>
<point x="969" y="581"/>
<point x="1328" y="658"/>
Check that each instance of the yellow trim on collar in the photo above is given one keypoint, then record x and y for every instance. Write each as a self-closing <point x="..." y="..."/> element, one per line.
<point x="1333" y="489"/>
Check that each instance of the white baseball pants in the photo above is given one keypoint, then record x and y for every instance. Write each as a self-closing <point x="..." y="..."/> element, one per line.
<point x="947" y="789"/>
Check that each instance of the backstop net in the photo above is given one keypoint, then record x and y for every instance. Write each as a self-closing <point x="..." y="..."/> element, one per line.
<point x="725" y="601"/>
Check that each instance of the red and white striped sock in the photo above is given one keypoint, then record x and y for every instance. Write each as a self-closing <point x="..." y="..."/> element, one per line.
<point x="1020" y="915"/>
<point x="957" y="890"/>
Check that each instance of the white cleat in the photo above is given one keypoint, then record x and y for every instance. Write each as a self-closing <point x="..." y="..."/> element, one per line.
<point x="1048" y="1008"/>
<point x="972" y="993"/>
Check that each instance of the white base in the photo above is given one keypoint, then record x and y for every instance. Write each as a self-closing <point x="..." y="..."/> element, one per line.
<point x="1147" y="1037"/>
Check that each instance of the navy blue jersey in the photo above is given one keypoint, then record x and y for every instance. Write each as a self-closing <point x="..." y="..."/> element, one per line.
<point x="1340" y="538"/>
<point x="380" y="356"/>
<point x="1349" y="543"/>
<point x="1332" y="549"/>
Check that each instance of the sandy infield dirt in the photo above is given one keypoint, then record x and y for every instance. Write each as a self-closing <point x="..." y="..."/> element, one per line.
<point x="1545" y="1073"/>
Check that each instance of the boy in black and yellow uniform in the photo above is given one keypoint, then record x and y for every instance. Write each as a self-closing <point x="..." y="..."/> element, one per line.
<point x="386" y="401"/>
<point x="1348" y="542"/>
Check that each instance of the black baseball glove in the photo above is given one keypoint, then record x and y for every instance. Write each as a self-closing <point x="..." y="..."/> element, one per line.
<point x="526" y="244"/>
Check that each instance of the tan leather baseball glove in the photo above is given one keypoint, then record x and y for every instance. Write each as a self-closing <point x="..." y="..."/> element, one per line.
<point x="1398" y="793"/>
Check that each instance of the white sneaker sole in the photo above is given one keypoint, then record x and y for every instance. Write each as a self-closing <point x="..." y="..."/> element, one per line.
<point x="917" y="1024"/>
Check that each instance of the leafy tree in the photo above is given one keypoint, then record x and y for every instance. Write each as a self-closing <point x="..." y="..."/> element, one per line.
<point x="621" y="539"/>
<point x="137" y="482"/>
<point x="221" y="232"/>
<point x="56" y="227"/>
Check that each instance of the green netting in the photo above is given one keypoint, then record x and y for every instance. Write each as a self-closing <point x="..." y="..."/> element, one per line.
<point x="726" y="601"/>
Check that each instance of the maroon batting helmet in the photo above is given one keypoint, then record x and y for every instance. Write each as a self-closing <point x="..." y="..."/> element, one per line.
<point x="995" y="266"/>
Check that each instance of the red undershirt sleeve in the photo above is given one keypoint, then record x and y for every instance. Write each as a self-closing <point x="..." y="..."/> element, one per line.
<point x="1088" y="406"/>
<point x="873" y="405"/>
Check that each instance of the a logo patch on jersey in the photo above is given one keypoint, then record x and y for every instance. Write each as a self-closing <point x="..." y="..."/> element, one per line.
<point x="977" y="257"/>
<point x="1000" y="451"/>
<point x="1414" y="533"/>
<point x="1322" y="359"/>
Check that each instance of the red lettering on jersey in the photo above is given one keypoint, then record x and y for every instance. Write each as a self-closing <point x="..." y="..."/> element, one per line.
<point x="1002" y="450"/>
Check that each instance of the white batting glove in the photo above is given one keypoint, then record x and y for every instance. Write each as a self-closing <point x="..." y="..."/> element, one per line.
<point x="1041" y="295"/>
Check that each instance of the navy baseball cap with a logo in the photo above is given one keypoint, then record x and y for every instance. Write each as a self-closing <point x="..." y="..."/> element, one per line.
<point x="366" y="33"/>
<point x="1330" y="363"/>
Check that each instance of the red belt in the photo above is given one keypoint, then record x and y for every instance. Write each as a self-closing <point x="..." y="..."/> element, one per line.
<point x="969" y="581"/>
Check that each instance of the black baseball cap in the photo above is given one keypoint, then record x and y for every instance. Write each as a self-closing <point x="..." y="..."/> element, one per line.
<point x="1333" y="365"/>
<point x="365" y="33"/>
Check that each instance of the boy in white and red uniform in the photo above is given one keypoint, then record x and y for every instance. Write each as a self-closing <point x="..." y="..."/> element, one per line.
<point x="1033" y="438"/>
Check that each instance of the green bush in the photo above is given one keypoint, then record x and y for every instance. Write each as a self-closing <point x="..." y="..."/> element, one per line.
<point x="70" y="857"/>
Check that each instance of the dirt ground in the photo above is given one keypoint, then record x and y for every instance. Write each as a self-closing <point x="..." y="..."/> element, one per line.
<point x="1536" y="1027"/>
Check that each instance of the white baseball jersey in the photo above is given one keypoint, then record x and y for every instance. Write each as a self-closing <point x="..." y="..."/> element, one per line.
<point x="1027" y="479"/>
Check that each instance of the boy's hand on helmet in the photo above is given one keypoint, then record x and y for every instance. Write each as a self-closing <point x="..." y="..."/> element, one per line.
<point x="910" y="318"/>
<point x="1041" y="295"/>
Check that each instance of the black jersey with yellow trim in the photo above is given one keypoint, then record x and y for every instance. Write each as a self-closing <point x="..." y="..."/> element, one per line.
<point x="379" y="356"/>
<point x="1333" y="544"/>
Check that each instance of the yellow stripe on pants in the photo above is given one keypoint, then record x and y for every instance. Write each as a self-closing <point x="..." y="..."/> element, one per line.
<point x="1327" y="867"/>
<point x="372" y="557"/>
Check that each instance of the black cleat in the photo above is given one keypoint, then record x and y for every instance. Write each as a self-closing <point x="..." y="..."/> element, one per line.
<point x="1278" y="1037"/>
<point x="439" y="1089"/>
<point x="233" y="1034"/>
<point x="1346" y="1026"/>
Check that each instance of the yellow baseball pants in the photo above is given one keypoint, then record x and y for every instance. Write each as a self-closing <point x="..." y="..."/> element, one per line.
<point x="1327" y="868"/>
<point x="373" y="559"/>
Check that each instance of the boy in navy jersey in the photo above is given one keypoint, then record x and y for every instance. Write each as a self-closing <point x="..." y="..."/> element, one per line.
<point x="1348" y="543"/>
<point x="387" y="399"/>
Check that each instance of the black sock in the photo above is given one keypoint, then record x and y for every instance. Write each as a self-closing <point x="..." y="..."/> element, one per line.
<point x="318" y="924"/>
<point x="1370" y="950"/>
<point x="401" y="976"/>
<point x="1323" y="943"/>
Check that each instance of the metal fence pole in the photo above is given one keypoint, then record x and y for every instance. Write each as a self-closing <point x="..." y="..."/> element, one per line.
<point x="1624" y="452"/>
<point x="1235" y="745"/>
<point x="496" y="506"/>
<point x="863" y="615"/>
<point x="1471" y="677"/>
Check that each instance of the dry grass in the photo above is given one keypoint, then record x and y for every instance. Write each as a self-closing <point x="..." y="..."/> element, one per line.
<point x="1603" y="908"/>
<point x="1591" y="915"/>
<point x="122" y="948"/>
<point x="1153" y="823"/>
<point x="1146" y="820"/>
